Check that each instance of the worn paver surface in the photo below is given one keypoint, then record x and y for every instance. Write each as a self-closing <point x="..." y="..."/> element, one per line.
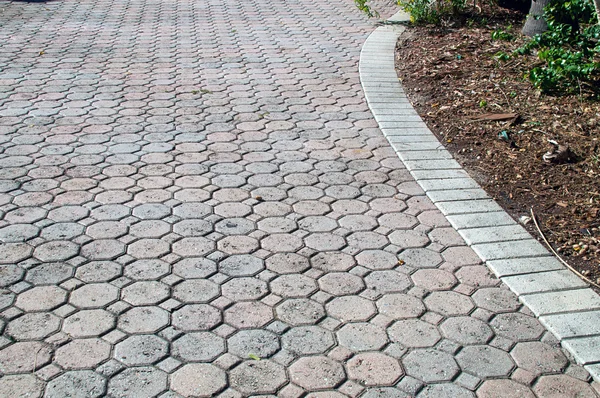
<point x="197" y="201"/>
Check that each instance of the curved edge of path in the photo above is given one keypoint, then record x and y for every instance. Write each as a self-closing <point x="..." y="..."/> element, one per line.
<point x="562" y="301"/>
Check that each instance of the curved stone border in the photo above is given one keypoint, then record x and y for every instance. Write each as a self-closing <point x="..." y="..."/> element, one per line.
<point x="562" y="301"/>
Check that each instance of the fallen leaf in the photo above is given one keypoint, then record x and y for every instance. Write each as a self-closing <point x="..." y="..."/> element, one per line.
<point x="494" y="117"/>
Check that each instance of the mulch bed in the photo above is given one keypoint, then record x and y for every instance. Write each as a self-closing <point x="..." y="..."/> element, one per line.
<point x="456" y="84"/>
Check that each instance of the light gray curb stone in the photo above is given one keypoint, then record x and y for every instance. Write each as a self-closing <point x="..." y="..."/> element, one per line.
<point x="563" y="303"/>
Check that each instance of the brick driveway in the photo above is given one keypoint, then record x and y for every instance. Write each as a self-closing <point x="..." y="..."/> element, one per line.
<point x="196" y="201"/>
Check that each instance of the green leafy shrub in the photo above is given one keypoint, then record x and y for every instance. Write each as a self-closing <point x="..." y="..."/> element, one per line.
<point x="427" y="11"/>
<point x="569" y="49"/>
<point x="503" y="34"/>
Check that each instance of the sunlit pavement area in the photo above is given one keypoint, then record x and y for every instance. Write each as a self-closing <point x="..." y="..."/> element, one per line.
<point x="197" y="201"/>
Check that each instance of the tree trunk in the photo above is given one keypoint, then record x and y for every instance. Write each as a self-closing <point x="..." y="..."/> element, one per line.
<point x="536" y="23"/>
<point x="597" y="5"/>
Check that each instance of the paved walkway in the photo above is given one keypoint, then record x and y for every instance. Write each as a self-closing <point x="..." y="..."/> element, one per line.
<point x="197" y="202"/>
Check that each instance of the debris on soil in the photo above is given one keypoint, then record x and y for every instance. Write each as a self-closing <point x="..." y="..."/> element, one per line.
<point x="494" y="116"/>
<point x="467" y="96"/>
<point x="558" y="154"/>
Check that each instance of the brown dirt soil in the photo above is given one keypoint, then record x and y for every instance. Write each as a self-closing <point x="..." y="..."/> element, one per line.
<point x="451" y="76"/>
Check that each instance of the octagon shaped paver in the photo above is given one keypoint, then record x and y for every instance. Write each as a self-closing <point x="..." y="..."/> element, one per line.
<point x="77" y="384"/>
<point x="430" y="365"/>
<point x="241" y="265"/>
<point x="258" y="377"/>
<point x="400" y="306"/>
<point x="485" y="361"/>
<point x="196" y="291"/>
<point x="141" y="350"/>
<point x="466" y="330"/>
<point x="142" y="381"/>
<point x="351" y="308"/>
<point x="316" y="373"/>
<point x="198" y="347"/>
<point x="300" y="311"/>
<point x="143" y="320"/>
<point x="94" y="295"/>
<point x="261" y="343"/>
<point x="537" y="357"/>
<point x="414" y="333"/>
<point x="198" y="380"/>
<point x="307" y="340"/>
<point x="449" y="303"/>
<point x="82" y="353"/>
<point x="362" y="337"/>
<point x="250" y="314"/>
<point x="33" y="326"/>
<point x="374" y="369"/>
<point x="88" y="323"/>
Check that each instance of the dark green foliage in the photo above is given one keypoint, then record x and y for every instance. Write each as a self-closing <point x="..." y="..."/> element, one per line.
<point x="569" y="49"/>
<point x="503" y="34"/>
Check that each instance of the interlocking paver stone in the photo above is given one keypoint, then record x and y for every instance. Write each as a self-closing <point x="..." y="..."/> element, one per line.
<point x="33" y="326"/>
<point x="261" y="343"/>
<point x="496" y="300"/>
<point x="341" y="283"/>
<point x="562" y="386"/>
<point x="293" y="286"/>
<point x="388" y="281"/>
<point x="195" y="291"/>
<point x="138" y="382"/>
<point x="377" y="259"/>
<point x="399" y="306"/>
<point x="538" y="357"/>
<point x="249" y="314"/>
<point x="141" y="350"/>
<point x="374" y="369"/>
<point x="466" y="330"/>
<point x="430" y="365"/>
<point x="506" y="388"/>
<point x="362" y="337"/>
<point x="414" y="333"/>
<point x="199" y="346"/>
<point x="49" y="273"/>
<point x="145" y="293"/>
<point x="21" y="386"/>
<point x="94" y="295"/>
<point x="79" y="383"/>
<point x="196" y="317"/>
<point x="220" y="191"/>
<point x="307" y="340"/>
<point x="300" y="311"/>
<point x="316" y="373"/>
<point x="88" y="323"/>
<point x="257" y="377"/>
<point x="198" y="380"/>
<point x="449" y="303"/>
<point x="41" y="298"/>
<point x="82" y="353"/>
<point x="485" y="361"/>
<point x="351" y="308"/>
<point x="517" y="326"/>
<point x="16" y="358"/>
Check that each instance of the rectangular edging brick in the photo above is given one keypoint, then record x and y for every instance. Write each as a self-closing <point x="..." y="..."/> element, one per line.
<point x="562" y="301"/>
